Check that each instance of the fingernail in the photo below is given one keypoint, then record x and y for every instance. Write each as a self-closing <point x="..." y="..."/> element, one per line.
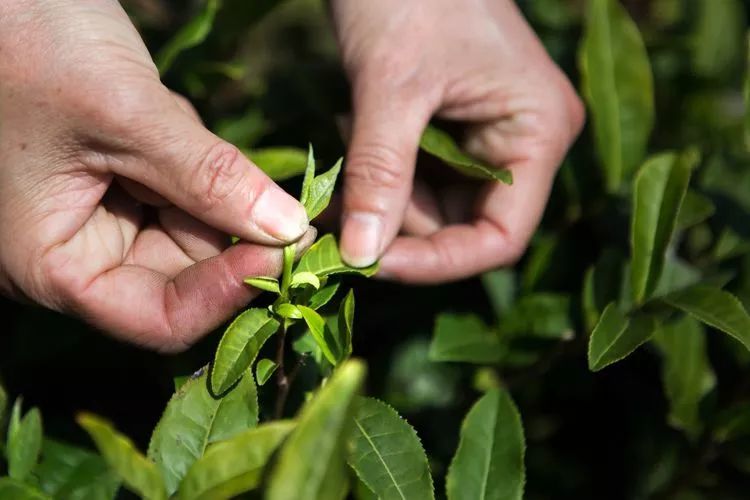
<point x="279" y="215"/>
<point x="360" y="243"/>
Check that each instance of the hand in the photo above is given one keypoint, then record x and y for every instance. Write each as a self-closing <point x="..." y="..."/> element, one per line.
<point x="475" y="61"/>
<point x="89" y="137"/>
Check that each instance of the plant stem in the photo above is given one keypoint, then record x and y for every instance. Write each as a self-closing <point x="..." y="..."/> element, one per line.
<point x="282" y="381"/>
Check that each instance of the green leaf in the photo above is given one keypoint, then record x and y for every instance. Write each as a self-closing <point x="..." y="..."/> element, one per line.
<point x="287" y="311"/>
<point x="323" y="296"/>
<point x="464" y="338"/>
<point x="234" y="466"/>
<point x="345" y="327"/>
<point x="323" y="259"/>
<point x="264" y="369"/>
<point x="618" y="87"/>
<point x="686" y="372"/>
<point x="137" y="473"/>
<point x="387" y="455"/>
<point x="717" y="38"/>
<point x="311" y="462"/>
<point x="660" y="186"/>
<point x="264" y="283"/>
<point x="13" y="489"/>
<point x="716" y="308"/>
<point x="544" y="315"/>
<point x="305" y="278"/>
<point x="309" y="175"/>
<point x="194" y="419"/>
<point x="695" y="209"/>
<point x="601" y="286"/>
<point x="500" y="286"/>
<point x="279" y="163"/>
<point x="441" y="145"/>
<point x="616" y="336"/>
<point x="320" y="191"/>
<point x="189" y="36"/>
<point x="489" y="462"/>
<point x="67" y="473"/>
<point x="24" y="445"/>
<point x="290" y="251"/>
<point x="317" y="326"/>
<point x="239" y="347"/>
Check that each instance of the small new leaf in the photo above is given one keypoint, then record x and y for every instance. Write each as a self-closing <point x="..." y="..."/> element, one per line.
<point x="264" y="369"/>
<point x="323" y="259"/>
<point x="441" y="145"/>
<point x="317" y="326"/>
<point x="616" y="336"/>
<point x="189" y="36"/>
<point x="345" y="327"/>
<point x="320" y="190"/>
<point x="264" y="283"/>
<point x="464" y="338"/>
<point x="287" y="311"/>
<point x="24" y="444"/>
<point x="309" y="176"/>
<point x="279" y="164"/>
<point x="305" y="278"/>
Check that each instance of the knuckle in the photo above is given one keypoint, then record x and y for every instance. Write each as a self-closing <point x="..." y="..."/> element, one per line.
<point x="376" y="167"/>
<point x="217" y="176"/>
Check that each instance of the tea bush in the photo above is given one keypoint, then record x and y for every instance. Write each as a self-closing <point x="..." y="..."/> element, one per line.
<point x="611" y="362"/>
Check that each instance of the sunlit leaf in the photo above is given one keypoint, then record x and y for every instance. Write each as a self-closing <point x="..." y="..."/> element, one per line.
<point x="189" y="36"/>
<point x="194" y="419"/>
<point x="387" y="455"/>
<point x="264" y="283"/>
<point x="438" y="143"/>
<point x="24" y="444"/>
<point x="323" y="259"/>
<point x="660" y="186"/>
<point x="279" y="163"/>
<point x="137" y="473"/>
<point x="464" y="338"/>
<point x="234" y="466"/>
<point x="67" y="473"/>
<point x="264" y="369"/>
<point x="686" y="372"/>
<point x="489" y="462"/>
<point x="320" y="191"/>
<point x="618" y="87"/>
<point x="716" y="308"/>
<point x="616" y="336"/>
<point x="311" y="462"/>
<point x="239" y="347"/>
<point x="288" y="311"/>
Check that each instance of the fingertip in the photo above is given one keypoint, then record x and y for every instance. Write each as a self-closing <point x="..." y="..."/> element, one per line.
<point x="362" y="239"/>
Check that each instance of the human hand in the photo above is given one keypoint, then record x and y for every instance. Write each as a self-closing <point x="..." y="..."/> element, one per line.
<point x="89" y="138"/>
<point x="475" y="61"/>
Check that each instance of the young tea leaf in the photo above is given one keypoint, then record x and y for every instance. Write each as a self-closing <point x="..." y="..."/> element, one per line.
<point x="67" y="473"/>
<point x="660" y="186"/>
<point x="464" y="338"/>
<point x="286" y="273"/>
<point x="305" y="278"/>
<point x="345" y="327"/>
<point x="137" y="473"/>
<point x="323" y="296"/>
<point x="387" y="455"/>
<point x="716" y="308"/>
<point x="234" y="466"/>
<point x="279" y="164"/>
<point x="264" y="283"/>
<point x="287" y="311"/>
<point x="543" y="315"/>
<point x="317" y="326"/>
<point x="25" y="445"/>
<point x="194" y="419"/>
<point x="500" y="286"/>
<point x="686" y="372"/>
<point x="441" y="145"/>
<point x="311" y="462"/>
<point x="695" y="209"/>
<point x="189" y="36"/>
<point x="489" y="462"/>
<point x="323" y="259"/>
<point x="616" y="336"/>
<point x="618" y="87"/>
<point x="264" y="369"/>
<point x="320" y="191"/>
<point x="239" y="347"/>
<point x="13" y="489"/>
<point x="309" y="176"/>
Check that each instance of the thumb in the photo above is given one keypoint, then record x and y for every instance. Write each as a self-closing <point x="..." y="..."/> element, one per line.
<point x="178" y="158"/>
<point x="379" y="171"/>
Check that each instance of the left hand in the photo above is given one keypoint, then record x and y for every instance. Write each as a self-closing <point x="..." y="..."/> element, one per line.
<point x="475" y="61"/>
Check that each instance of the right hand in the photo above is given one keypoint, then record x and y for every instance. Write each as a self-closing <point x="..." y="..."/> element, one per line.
<point x="89" y="137"/>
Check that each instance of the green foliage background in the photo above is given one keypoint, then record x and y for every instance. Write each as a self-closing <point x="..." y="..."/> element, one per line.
<point x="670" y="421"/>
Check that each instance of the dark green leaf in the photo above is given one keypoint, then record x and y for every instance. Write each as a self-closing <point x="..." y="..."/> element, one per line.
<point x="137" y="473"/>
<point x="194" y="419"/>
<point x="746" y="93"/>
<point x="500" y="286"/>
<point x="323" y="259"/>
<point x="189" y="36"/>
<point x="311" y="462"/>
<point x="695" y="209"/>
<point x="464" y="338"/>
<point x="264" y="369"/>
<point x="24" y="445"/>
<point x="17" y="490"/>
<point x="387" y="455"/>
<point x="544" y="315"/>
<point x="716" y="43"/>
<point x="660" y="187"/>
<point x="70" y="473"/>
<point x="616" y="336"/>
<point x="234" y="466"/>
<point x="716" y="308"/>
<point x="618" y="87"/>
<point x="489" y="462"/>
<point x="264" y="283"/>
<point x="278" y="163"/>
<point x="438" y="143"/>
<point x="239" y="347"/>
<point x="320" y="191"/>
<point x="686" y="372"/>
<point x="602" y="285"/>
